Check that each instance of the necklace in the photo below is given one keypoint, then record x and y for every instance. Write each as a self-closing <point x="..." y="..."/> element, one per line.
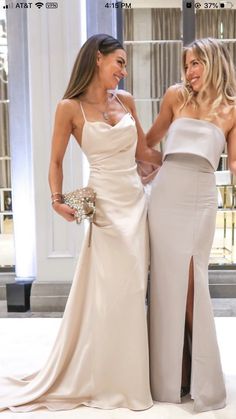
<point x="105" y="113"/>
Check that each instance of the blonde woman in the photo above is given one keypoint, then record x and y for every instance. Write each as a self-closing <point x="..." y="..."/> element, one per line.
<point x="100" y="357"/>
<point x="198" y="118"/>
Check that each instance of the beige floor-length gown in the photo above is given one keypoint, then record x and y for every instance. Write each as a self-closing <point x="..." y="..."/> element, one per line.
<point x="182" y="214"/>
<point x="100" y="357"/>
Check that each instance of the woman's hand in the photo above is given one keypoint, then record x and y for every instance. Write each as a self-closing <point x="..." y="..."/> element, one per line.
<point x="64" y="210"/>
<point x="147" y="171"/>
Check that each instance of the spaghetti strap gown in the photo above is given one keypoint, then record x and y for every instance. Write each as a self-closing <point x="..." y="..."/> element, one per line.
<point x="182" y="212"/>
<point x="100" y="357"/>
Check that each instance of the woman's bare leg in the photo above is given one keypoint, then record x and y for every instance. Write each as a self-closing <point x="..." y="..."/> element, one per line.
<point x="186" y="366"/>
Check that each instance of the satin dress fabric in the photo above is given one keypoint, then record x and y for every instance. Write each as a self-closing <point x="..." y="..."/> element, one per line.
<point x="182" y="213"/>
<point x="100" y="357"/>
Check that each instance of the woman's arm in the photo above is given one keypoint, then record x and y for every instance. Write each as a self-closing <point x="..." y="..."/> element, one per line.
<point x="61" y="135"/>
<point x="143" y="152"/>
<point x="164" y="118"/>
<point x="231" y="149"/>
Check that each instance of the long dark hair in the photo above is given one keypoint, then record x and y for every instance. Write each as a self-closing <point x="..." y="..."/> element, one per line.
<point x="85" y="63"/>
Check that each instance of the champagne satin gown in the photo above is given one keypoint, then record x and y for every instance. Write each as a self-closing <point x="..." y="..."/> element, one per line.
<point x="182" y="213"/>
<point x="100" y="357"/>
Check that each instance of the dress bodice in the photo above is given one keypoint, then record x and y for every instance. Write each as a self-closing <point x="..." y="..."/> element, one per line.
<point x="195" y="136"/>
<point x="107" y="147"/>
<point x="110" y="151"/>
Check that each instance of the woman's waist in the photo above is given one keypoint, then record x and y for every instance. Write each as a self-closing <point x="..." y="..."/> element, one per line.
<point x="113" y="168"/>
<point x="116" y="186"/>
<point x="114" y="175"/>
<point x="189" y="161"/>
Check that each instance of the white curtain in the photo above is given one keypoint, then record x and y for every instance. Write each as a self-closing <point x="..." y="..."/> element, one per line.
<point x="5" y="178"/>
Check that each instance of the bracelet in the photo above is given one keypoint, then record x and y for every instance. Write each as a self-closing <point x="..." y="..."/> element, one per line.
<point x="56" y="200"/>
<point x="56" y="193"/>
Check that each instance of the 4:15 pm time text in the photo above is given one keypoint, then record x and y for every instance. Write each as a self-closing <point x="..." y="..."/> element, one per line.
<point x="118" y="5"/>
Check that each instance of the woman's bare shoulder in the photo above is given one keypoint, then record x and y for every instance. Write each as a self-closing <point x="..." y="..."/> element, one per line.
<point x="126" y="98"/>
<point x="67" y="105"/>
<point x="69" y="109"/>
<point x="174" y="92"/>
<point x="124" y="95"/>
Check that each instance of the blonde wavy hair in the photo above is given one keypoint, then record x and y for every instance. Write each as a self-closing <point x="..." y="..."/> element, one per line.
<point x="219" y="78"/>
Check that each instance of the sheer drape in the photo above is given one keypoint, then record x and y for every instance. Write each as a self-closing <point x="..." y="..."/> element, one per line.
<point x="166" y="24"/>
<point x="216" y="23"/>
<point x="165" y="69"/>
<point x="220" y="24"/>
<point x="153" y="44"/>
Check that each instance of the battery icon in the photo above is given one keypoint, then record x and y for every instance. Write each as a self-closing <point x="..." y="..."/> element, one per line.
<point x="51" y="5"/>
<point x="226" y="5"/>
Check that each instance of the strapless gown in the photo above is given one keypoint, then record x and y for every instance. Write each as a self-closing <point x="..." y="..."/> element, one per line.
<point x="100" y="357"/>
<point x="182" y="212"/>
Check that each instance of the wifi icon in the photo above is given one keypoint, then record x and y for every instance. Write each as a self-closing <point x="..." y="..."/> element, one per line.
<point x="39" y="5"/>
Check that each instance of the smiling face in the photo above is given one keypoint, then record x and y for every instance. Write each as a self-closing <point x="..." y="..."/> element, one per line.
<point x="194" y="71"/>
<point x="111" y="68"/>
